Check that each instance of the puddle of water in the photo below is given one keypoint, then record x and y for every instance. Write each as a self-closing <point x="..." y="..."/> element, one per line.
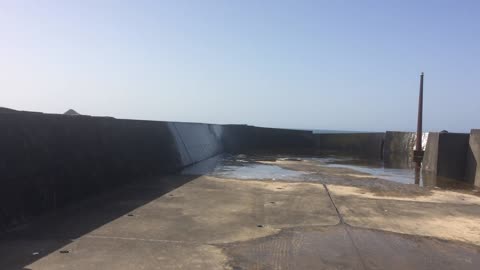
<point x="203" y="167"/>
<point x="394" y="172"/>
<point x="242" y="167"/>
<point x="249" y="167"/>
<point x="404" y="176"/>
<point x="258" y="171"/>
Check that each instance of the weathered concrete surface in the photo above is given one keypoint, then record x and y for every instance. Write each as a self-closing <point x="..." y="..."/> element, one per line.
<point x="117" y="253"/>
<point x="48" y="161"/>
<point x="430" y="157"/>
<point x="367" y="202"/>
<point x="398" y="147"/>
<point x="343" y="247"/>
<point x="232" y="216"/>
<point x="446" y="154"/>
<point x="173" y="230"/>
<point x="339" y="219"/>
<point x="473" y="158"/>
<point x="445" y="216"/>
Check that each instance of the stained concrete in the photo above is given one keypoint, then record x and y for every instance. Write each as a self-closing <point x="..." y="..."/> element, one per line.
<point x="338" y="218"/>
<point x="189" y="213"/>
<point x="189" y="220"/>
<point x="49" y="161"/>
<point x="117" y="253"/>
<point x="473" y="158"/>
<point x="446" y="154"/>
<point x="398" y="147"/>
<point x="445" y="217"/>
<point x="344" y="247"/>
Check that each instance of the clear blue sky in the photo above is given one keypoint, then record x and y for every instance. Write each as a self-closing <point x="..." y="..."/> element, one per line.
<point x="344" y="65"/>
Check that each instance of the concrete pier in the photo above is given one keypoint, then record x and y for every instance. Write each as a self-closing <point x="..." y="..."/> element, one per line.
<point x="82" y="192"/>
<point x="339" y="218"/>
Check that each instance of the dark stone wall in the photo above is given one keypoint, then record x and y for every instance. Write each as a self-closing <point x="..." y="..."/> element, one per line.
<point x="50" y="160"/>
<point x="244" y="139"/>
<point x="368" y="145"/>
<point x="446" y="154"/>
<point x="248" y="139"/>
<point x="452" y="155"/>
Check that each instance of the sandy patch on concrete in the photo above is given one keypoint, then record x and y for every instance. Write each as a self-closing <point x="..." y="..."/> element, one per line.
<point x="444" y="215"/>
<point x="342" y="247"/>
<point x="436" y="196"/>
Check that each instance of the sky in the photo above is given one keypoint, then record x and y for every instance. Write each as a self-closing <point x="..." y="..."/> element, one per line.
<point x="339" y="65"/>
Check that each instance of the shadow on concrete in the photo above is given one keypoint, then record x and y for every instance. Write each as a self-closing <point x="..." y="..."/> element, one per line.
<point x="49" y="233"/>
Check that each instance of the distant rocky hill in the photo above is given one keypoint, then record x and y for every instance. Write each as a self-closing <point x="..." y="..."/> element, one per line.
<point x="71" y="112"/>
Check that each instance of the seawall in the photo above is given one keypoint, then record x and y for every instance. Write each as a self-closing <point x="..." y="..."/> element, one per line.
<point x="446" y="154"/>
<point x="50" y="160"/>
<point x="251" y="139"/>
<point x="368" y="145"/>
<point x="472" y="173"/>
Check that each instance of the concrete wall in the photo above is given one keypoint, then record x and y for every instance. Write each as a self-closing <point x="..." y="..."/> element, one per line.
<point x="48" y="160"/>
<point x="398" y="148"/>
<point x="244" y="139"/>
<point x="472" y="171"/>
<point x="430" y="157"/>
<point x="359" y="144"/>
<point x="446" y="155"/>
<point x="196" y="142"/>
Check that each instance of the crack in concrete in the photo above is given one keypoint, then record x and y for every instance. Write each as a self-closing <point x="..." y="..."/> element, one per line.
<point x="345" y="227"/>
<point x="335" y="206"/>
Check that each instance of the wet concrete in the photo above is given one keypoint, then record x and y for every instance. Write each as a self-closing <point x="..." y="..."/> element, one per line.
<point x="258" y="212"/>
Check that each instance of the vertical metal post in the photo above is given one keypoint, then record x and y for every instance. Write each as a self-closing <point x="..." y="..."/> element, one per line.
<point x="418" y="152"/>
<point x="418" y="146"/>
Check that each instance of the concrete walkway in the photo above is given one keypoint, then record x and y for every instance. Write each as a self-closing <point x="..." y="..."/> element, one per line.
<point x="339" y="219"/>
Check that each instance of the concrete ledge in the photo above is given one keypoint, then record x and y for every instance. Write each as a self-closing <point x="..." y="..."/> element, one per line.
<point x="473" y="158"/>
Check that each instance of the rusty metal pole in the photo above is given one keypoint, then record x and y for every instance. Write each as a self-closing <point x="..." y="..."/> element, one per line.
<point x="418" y="152"/>
<point x="420" y="116"/>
